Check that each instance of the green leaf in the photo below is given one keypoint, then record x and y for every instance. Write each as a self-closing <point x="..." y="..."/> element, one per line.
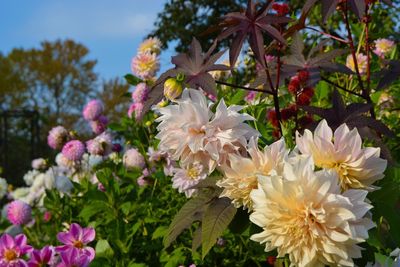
<point x="132" y="80"/>
<point x="216" y="219"/>
<point x="240" y="94"/>
<point x="196" y="239"/>
<point x="103" y="249"/>
<point x="92" y="209"/>
<point x="159" y="232"/>
<point x="191" y="211"/>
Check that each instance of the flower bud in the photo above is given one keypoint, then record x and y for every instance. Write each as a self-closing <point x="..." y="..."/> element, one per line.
<point x="173" y="87"/>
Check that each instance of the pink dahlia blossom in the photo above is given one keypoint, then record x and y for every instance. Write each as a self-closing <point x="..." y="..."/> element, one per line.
<point x="133" y="159"/>
<point x="12" y="250"/>
<point x="57" y="137"/>
<point x="145" y="65"/>
<point x="100" y="125"/>
<point x="150" y="45"/>
<point x="93" y="110"/>
<point x="42" y="257"/>
<point x="47" y="216"/>
<point x="39" y="164"/>
<point x="361" y="63"/>
<point x="383" y="47"/>
<point x="19" y="212"/>
<point x="74" y="257"/>
<point x="185" y="179"/>
<point x="137" y="110"/>
<point x="73" y="150"/>
<point x="141" y="93"/>
<point x="250" y="97"/>
<point x="77" y="238"/>
<point x="101" y="145"/>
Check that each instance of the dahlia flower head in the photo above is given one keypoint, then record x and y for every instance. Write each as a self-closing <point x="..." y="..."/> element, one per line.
<point x="3" y="188"/>
<point x="100" y="125"/>
<point x="19" y="212"/>
<point x="136" y="110"/>
<point x="190" y="132"/>
<point x="74" y="257"/>
<point x="240" y="178"/>
<point x="141" y="93"/>
<point x="73" y="150"/>
<point x="77" y="238"/>
<point x="342" y="151"/>
<point x="150" y="45"/>
<point x="39" y="164"/>
<point x="145" y="65"/>
<point x="361" y="62"/>
<point x="92" y="110"/>
<point x="185" y="178"/>
<point x="101" y="145"/>
<point x="43" y="257"/>
<point x="383" y="47"/>
<point x="133" y="159"/>
<point x="57" y="137"/>
<point x="303" y="213"/>
<point x="13" y="249"/>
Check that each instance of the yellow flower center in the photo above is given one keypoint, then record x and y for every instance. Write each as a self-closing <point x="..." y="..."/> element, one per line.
<point x="78" y="244"/>
<point x="193" y="173"/>
<point x="10" y="255"/>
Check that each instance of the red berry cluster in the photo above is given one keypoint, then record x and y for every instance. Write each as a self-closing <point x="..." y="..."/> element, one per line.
<point x="281" y="9"/>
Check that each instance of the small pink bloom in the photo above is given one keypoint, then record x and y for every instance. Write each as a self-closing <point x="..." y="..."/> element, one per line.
<point x="251" y="95"/>
<point x="74" y="258"/>
<point x="73" y="150"/>
<point x="145" y="65"/>
<point x="57" y="137"/>
<point x="100" y="125"/>
<point x="133" y="159"/>
<point x="19" y="212"/>
<point x="42" y="257"/>
<point x="47" y="216"/>
<point x="141" y="93"/>
<point x="383" y="47"/>
<point x="12" y="250"/>
<point x="39" y="164"/>
<point x="93" y="110"/>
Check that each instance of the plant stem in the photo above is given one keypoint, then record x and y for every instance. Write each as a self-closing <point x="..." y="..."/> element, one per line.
<point x="341" y="87"/>
<point x="244" y="87"/>
<point x="367" y="90"/>
<point x="328" y="35"/>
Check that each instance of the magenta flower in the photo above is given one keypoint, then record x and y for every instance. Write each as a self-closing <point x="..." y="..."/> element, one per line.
<point x="57" y="137"/>
<point x="74" y="258"/>
<point x="73" y="150"/>
<point x="42" y="257"/>
<point x="93" y="110"/>
<point x="77" y="237"/>
<point x="137" y="110"/>
<point x="12" y="250"/>
<point x="19" y="212"/>
<point x="100" y="125"/>
<point x="141" y="93"/>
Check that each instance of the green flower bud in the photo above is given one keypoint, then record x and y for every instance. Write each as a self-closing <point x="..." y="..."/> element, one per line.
<point x="173" y="87"/>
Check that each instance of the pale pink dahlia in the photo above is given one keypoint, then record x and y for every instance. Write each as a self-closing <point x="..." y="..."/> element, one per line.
<point x="39" y="164"/>
<point x="100" y="125"/>
<point x="73" y="150"/>
<point x="133" y="159"/>
<point x="361" y="62"/>
<point x="150" y="45"/>
<point x="191" y="132"/>
<point x="101" y="145"/>
<point x="93" y="110"/>
<point x="145" y="65"/>
<point x="57" y="137"/>
<point x="136" y="109"/>
<point x="185" y="178"/>
<point x="141" y="93"/>
<point x="383" y="47"/>
<point x="19" y="212"/>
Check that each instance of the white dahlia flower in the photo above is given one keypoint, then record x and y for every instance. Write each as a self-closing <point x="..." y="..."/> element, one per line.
<point x="191" y="132"/>
<point x="342" y="151"/>
<point x="241" y="176"/>
<point x="304" y="214"/>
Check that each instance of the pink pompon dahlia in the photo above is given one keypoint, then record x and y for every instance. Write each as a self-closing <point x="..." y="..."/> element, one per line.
<point x="133" y="159"/>
<point x="77" y="238"/>
<point x="101" y="145"/>
<point x="42" y="257"/>
<point x="74" y="257"/>
<point x="73" y="150"/>
<point x="150" y="45"/>
<point x="383" y="47"/>
<point x="19" y="212"/>
<point x="12" y="250"/>
<point x="361" y="63"/>
<point x="145" y="65"/>
<point x="93" y="110"/>
<point x="141" y="93"/>
<point x="137" y="110"/>
<point x="57" y="137"/>
<point x="100" y="125"/>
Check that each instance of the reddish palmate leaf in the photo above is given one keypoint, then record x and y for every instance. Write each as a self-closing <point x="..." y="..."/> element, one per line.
<point x="313" y="63"/>
<point x="251" y="24"/>
<point x="390" y="74"/>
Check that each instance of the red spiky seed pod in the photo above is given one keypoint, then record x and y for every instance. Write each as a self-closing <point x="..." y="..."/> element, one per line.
<point x="303" y="75"/>
<point x="272" y="118"/>
<point x="294" y="85"/>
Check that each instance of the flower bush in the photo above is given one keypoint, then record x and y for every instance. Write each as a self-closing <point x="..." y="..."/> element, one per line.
<point x="286" y="157"/>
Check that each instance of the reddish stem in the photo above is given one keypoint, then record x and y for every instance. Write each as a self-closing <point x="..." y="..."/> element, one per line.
<point x="327" y="34"/>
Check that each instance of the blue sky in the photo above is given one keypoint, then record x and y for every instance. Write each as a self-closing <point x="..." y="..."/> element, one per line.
<point x="111" y="29"/>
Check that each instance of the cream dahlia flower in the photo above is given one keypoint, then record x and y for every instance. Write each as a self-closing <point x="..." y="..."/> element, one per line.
<point x="190" y="132"/>
<point x="150" y="45"/>
<point x="185" y="178"/>
<point x="361" y="63"/>
<point x="241" y="176"/>
<point x="342" y="151"/>
<point x="383" y="47"/>
<point x="303" y="214"/>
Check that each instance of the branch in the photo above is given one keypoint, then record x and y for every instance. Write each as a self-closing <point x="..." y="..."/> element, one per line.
<point x="244" y="87"/>
<point x="329" y="35"/>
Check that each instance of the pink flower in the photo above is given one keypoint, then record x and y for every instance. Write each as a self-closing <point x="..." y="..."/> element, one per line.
<point x="47" y="216"/>
<point x="77" y="238"/>
<point x="383" y="47"/>
<point x="74" y="257"/>
<point x="136" y="108"/>
<point x="42" y="257"/>
<point x="361" y="63"/>
<point x="18" y="212"/>
<point x="57" y="137"/>
<point x="12" y="250"/>
<point x="133" y="159"/>
<point x="251" y="95"/>
<point x="101" y="145"/>
<point x="73" y="150"/>
<point x="145" y="65"/>
<point x="100" y="125"/>
<point x="141" y="181"/>
<point x="185" y="179"/>
<point x="141" y="93"/>
<point x="39" y="164"/>
<point x="93" y="110"/>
